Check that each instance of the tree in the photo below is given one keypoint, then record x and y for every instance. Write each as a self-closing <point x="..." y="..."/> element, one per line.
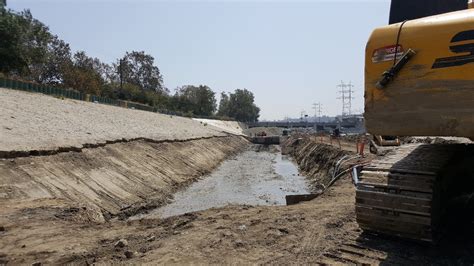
<point x="224" y="105"/>
<point x="11" y="58"/>
<point x="138" y="68"/>
<point x="23" y="43"/>
<point x="239" y="105"/>
<point x="58" y="61"/>
<point x="35" y="39"/>
<point x="108" y="73"/>
<point x="83" y="80"/>
<point x="28" y="50"/>
<point x="83" y="75"/>
<point x="81" y="60"/>
<point x="197" y="100"/>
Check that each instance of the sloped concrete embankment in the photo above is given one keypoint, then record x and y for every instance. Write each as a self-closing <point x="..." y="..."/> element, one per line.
<point x="232" y="127"/>
<point x="118" y="179"/>
<point x="36" y="124"/>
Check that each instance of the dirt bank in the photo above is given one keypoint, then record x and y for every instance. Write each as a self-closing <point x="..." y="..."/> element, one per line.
<point x="117" y="179"/>
<point x="318" y="160"/>
<point x="36" y="122"/>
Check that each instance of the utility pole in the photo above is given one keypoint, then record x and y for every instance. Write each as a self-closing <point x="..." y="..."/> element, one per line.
<point x="303" y="115"/>
<point x="121" y="74"/>
<point x="317" y="111"/>
<point x="304" y="118"/>
<point x="346" y="91"/>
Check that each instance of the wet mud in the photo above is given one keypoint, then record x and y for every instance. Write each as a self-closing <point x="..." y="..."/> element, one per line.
<point x="258" y="176"/>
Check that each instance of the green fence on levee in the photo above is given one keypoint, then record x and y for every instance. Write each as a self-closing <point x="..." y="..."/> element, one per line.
<point x="71" y="94"/>
<point x="33" y="87"/>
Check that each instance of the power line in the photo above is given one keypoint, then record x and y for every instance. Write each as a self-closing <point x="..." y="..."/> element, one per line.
<point x="346" y="96"/>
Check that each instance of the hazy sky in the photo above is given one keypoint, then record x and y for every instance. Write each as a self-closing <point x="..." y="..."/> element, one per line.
<point x="290" y="54"/>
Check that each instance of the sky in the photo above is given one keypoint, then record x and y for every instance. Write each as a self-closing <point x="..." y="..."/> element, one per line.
<point x="290" y="54"/>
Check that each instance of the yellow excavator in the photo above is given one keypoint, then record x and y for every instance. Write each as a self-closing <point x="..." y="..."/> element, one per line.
<point x="419" y="81"/>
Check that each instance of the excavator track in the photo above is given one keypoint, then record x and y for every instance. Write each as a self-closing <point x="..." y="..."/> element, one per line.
<point x="398" y="193"/>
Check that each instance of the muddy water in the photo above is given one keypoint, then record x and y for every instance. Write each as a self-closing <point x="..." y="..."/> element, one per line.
<point x="253" y="177"/>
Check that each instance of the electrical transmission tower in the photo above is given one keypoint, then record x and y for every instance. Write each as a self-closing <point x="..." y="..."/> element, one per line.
<point x="346" y="96"/>
<point x="317" y="110"/>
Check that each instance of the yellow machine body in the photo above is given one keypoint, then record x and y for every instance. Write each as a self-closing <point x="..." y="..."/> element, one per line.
<point x="433" y="93"/>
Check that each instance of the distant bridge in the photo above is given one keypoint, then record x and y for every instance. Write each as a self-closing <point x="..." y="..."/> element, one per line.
<point x="303" y="124"/>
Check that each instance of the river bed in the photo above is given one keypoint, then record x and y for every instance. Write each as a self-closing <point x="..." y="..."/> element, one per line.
<point x="258" y="176"/>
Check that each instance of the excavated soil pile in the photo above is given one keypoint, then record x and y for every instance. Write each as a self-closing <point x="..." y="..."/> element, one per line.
<point x="270" y="131"/>
<point x="434" y="140"/>
<point x="315" y="160"/>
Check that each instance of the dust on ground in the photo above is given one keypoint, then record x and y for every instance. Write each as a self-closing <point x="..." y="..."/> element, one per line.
<point x="321" y="231"/>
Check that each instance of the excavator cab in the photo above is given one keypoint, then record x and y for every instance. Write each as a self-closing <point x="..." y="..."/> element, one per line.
<point x="404" y="10"/>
